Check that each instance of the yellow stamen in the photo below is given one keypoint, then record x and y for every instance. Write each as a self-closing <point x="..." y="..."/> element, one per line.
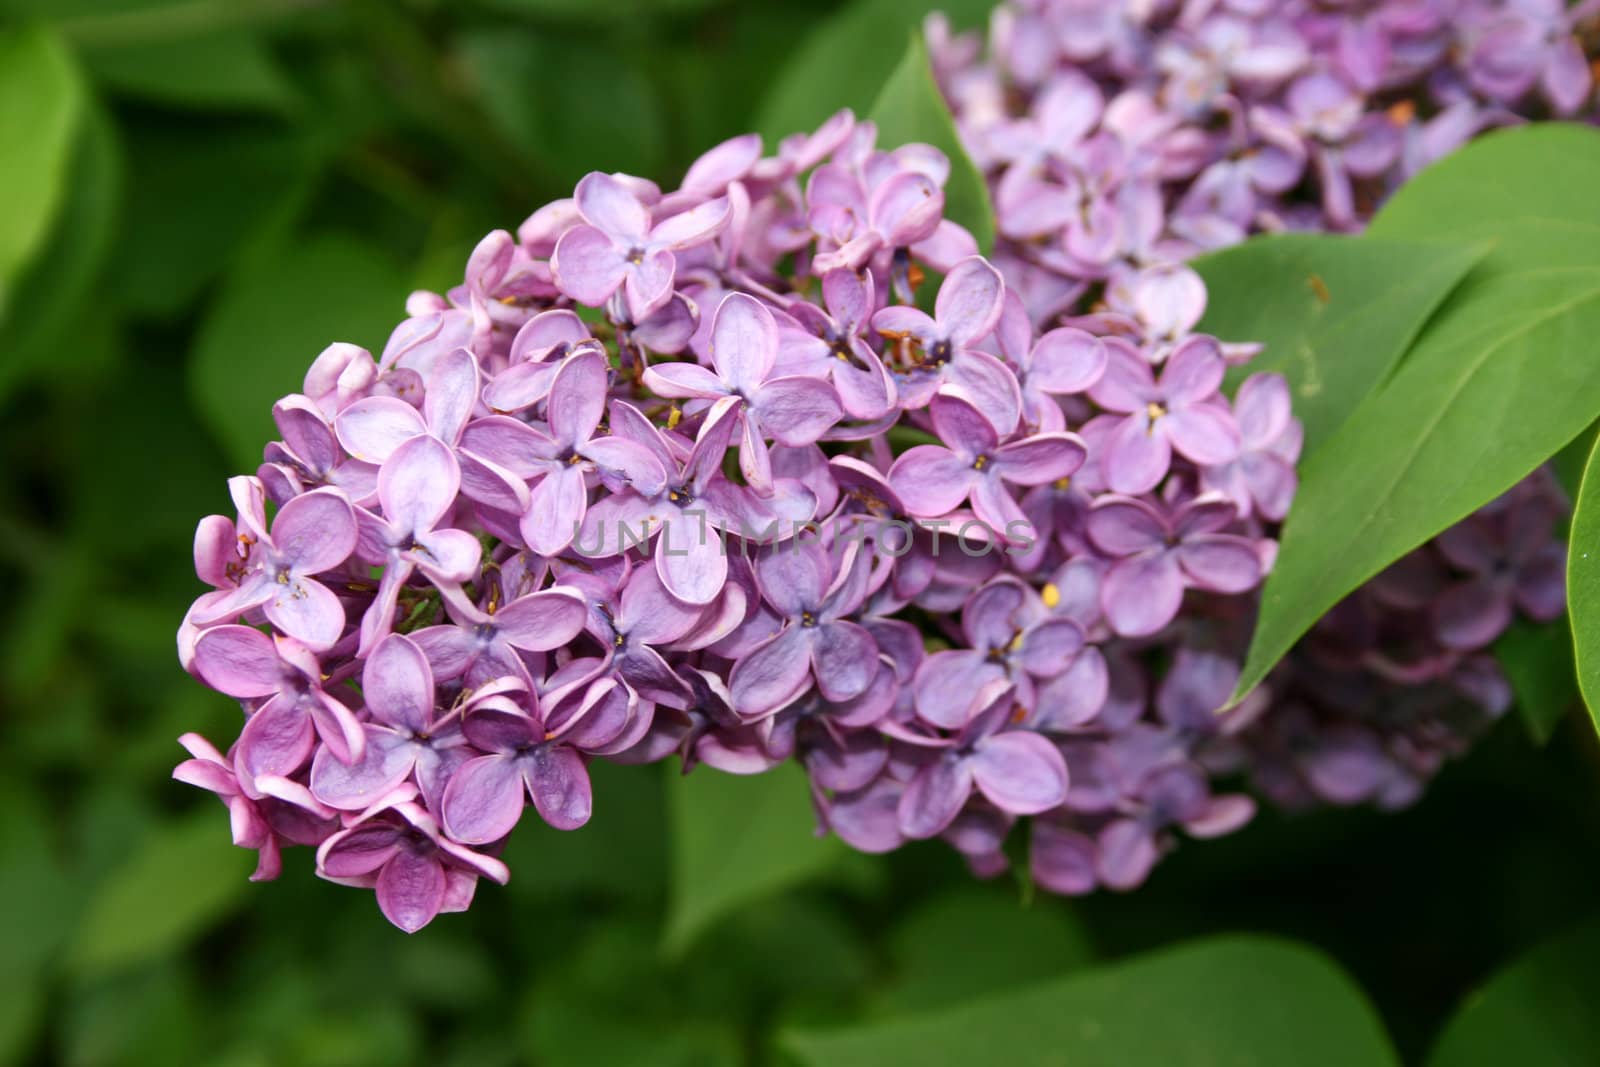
<point x="1050" y="595"/>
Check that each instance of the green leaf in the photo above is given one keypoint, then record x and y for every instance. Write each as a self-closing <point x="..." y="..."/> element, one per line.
<point x="975" y="940"/>
<point x="1583" y="584"/>
<point x="1538" y="1012"/>
<point x="1233" y="1000"/>
<point x="184" y="878"/>
<point x="1538" y="661"/>
<point x="58" y="282"/>
<point x="41" y="102"/>
<point x="736" y="839"/>
<point x="273" y="318"/>
<point x="910" y="109"/>
<point x="847" y="59"/>
<point x="1335" y="313"/>
<point x="227" y="69"/>
<point x="203" y="195"/>
<point x="615" y="124"/>
<point x="596" y="11"/>
<point x="1498" y="382"/>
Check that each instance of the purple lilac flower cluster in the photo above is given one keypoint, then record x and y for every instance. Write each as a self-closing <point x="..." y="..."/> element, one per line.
<point x="1123" y="138"/>
<point x="691" y="472"/>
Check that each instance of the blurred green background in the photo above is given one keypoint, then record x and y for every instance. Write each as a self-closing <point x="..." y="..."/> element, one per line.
<point x="196" y="196"/>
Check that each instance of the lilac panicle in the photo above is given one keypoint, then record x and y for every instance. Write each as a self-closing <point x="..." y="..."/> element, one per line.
<point x="672" y="471"/>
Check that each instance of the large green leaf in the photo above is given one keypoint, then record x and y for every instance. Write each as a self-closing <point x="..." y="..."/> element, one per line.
<point x="844" y="61"/>
<point x="736" y="839"/>
<point x="53" y="289"/>
<point x="910" y="109"/>
<point x="41" y="101"/>
<point x="272" y="320"/>
<point x="225" y="69"/>
<point x="1538" y="1012"/>
<point x="1335" y="313"/>
<point x="1237" y="1000"/>
<point x="1583" y="584"/>
<point x="1499" y="381"/>
<point x="185" y="877"/>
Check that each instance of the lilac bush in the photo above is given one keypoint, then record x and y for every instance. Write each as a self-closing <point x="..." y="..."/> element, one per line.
<point x="718" y="472"/>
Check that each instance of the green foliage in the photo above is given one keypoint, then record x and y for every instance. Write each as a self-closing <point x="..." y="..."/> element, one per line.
<point x="1229" y="1000"/>
<point x="1496" y="384"/>
<point x="735" y="839"/>
<point x="272" y="319"/>
<point x="1538" y="661"/>
<point x="909" y="108"/>
<point x="41" y="103"/>
<point x="229" y="69"/>
<point x="1538" y="1012"/>
<point x="1583" y="585"/>
<point x="1335" y="313"/>
<point x="181" y="880"/>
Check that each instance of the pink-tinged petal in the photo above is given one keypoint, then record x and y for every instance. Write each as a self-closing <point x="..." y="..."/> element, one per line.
<point x="993" y="615"/>
<point x="491" y="484"/>
<point x="773" y="673"/>
<point x="727" y="162"/>
<point x="931" y="481"/>
<point x="1271" y="482"/>
<point x="868" y="819"/>
<point x="1205" y="433"/>
<point x="359" y="850"/>
<point x="519" y="386"/>
<point x="906" y="208"/>
<point x="1169" y="300"/>
<point x="1061" y="860"/>
<point x="448" y="555"/>
<point x="337" y="727"/>
<point x="962" y="426"/>
<point x="1541" y="590"/>
<point x="216" y="546"/>
<point x="865" y="393"/>
<point x="307" y="611"/>
<point x="950" y="686"/>
<point x="1127" y="851"/>
<point x="704" y="464"/>
<point x="1122" y="526"/>
<point x="277" y="739"/>
<point x="998" y="511"/>
<point x="1193" y="372"/>
<point x="373" y="427"/>
<point x="1142" y="593"/>
<point x="1076" y="695"/>
<point x="693" y="227"/>
<point x="316" y="531"/>
<point x="691" y="558"/>
<point x="849" y="765"/>
<point x="935" y="796"/>
<point x="1020" y="772"/>
<point x="1262" y="409"/>
<point x="1137" y="456"/>
<point x="1221" y="563"/>
<point x="542" y="621"/>
<point x="510" y="444"/>
<point x="387" y="762"/>
<point x="449" y="648"/>
<point x="587" y="266"/>
<point x="647" y="612"/>
<point x="239" y="661"/>
<point x="397" y="683"/>
<point x="794" y="577"/>
<point x="796" y="411"/>
<point x="1223" y="815"/>
<point x="744" y="342"/>
<point x="1067" y="360"/>
<point x="630" y="461"/>
<point x="903" y="320"/>
<point x="1470" y="614"/>
<point x="483" y="800"/>
<point x="948" y="245"/>
<point x="417" y="484"/>
<point x="1127" y="384"/>
<point x="848" y="296"/>
<point x="556" y="508"/>
<point x="615" y="524"/>
<point x="648" y="285"/>
<point x="1567" y="77"/>
<point x="1041" y="458"/>
<point x="410" y="890"/>
<point x="968" y="305"/>
<point x="558" y="781"/>
<point x="988" y="385"/>
<point x="500" y="726"/>
<point x="453" y="388"/>
<point x="613" y="206"/>
<point x="845" y="658"/>
<point x="577" y="397"/>
<point x="1048" y="647"/>
<point x="682" y="381"/>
